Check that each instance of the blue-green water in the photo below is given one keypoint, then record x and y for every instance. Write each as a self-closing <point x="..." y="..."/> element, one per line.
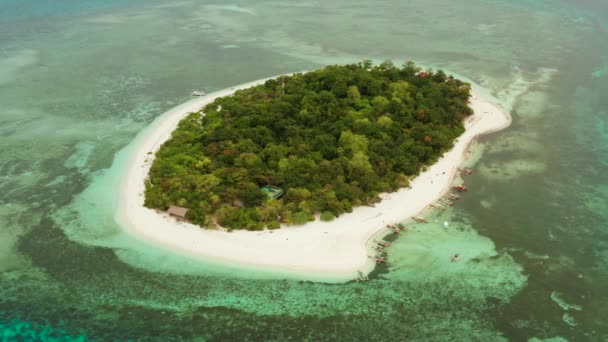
<point x="79" y="80"/>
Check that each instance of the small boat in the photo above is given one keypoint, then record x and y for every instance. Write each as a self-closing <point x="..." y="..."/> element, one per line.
<point x="453" y="196"/>
<point x="361" y="276"/>
<point x="393" y="228"/>
<point x="384" y="243"/>
<point x="447" y="202"/>
<point x="455" y="257"/>
<point x="380" y="260"/>
<point x="437" y="206"/>
<point x="420" y="219"/>
<point x="460" y="188"/>
<point x="198" y="93"/>
<point x="402" y="227"/>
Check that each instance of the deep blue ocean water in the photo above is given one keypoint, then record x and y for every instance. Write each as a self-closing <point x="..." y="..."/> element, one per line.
<point x="79" y="80"/>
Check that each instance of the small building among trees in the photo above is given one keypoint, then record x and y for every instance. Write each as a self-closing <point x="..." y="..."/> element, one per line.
<point x="273" y="192"/>
<point x="178" y="212"/>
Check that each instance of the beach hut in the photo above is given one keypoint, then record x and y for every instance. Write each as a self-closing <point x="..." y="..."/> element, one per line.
<point x="178" y="212"/>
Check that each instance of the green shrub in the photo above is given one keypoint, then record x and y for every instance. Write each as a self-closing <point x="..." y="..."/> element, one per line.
<point x="274" y="225"/>
<point x="327" y="216"/>
<point x="300" y="218"/>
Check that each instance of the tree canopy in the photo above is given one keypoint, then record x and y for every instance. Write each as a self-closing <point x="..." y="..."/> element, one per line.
<point x="332" y="139"/>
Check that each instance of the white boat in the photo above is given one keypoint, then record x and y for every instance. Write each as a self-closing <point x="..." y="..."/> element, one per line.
<point x="198" y="93"/>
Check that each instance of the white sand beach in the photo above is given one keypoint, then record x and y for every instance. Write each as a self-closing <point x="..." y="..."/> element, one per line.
<point x="336" y="250"/>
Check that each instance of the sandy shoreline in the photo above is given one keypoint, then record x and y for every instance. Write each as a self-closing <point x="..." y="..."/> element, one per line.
<point x="334" y="250"/>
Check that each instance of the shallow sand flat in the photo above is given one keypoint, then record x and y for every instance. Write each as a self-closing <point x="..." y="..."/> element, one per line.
<point x="334" y="250"/>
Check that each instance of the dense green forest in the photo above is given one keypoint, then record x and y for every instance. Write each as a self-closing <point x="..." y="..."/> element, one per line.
<point x="332" y="139"/>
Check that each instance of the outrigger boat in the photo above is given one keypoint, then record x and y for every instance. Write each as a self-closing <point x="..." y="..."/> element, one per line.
<point x="384" y="243"/>
<point x="378" y="260"/>
<point x="447" y="202"/>
<point x="420" y="219"/>
<point x="465" y="171"/>
<point x="361" y="276"/>
<point x="460" y="188"/>
<point x="437" y="206"/>
<point x="453" y="196"/>
<point x="393" y="228"/>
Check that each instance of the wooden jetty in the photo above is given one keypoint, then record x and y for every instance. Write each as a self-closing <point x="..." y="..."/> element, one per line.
<point x="419" y="219"/>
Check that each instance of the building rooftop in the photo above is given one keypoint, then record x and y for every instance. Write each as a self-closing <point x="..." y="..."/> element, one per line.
<point x="273" y="192"/>
<point x="178" y="211"/>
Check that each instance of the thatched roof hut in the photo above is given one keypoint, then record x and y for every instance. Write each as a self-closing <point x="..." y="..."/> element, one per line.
<point x="178" y="212"/>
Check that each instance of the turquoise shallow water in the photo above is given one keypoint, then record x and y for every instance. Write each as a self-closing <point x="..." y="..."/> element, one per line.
<point x="78" y="81"/>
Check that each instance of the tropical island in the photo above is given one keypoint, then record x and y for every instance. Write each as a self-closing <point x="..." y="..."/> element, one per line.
<point x="322" y="142"/>
<point x="333" y="251"/>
